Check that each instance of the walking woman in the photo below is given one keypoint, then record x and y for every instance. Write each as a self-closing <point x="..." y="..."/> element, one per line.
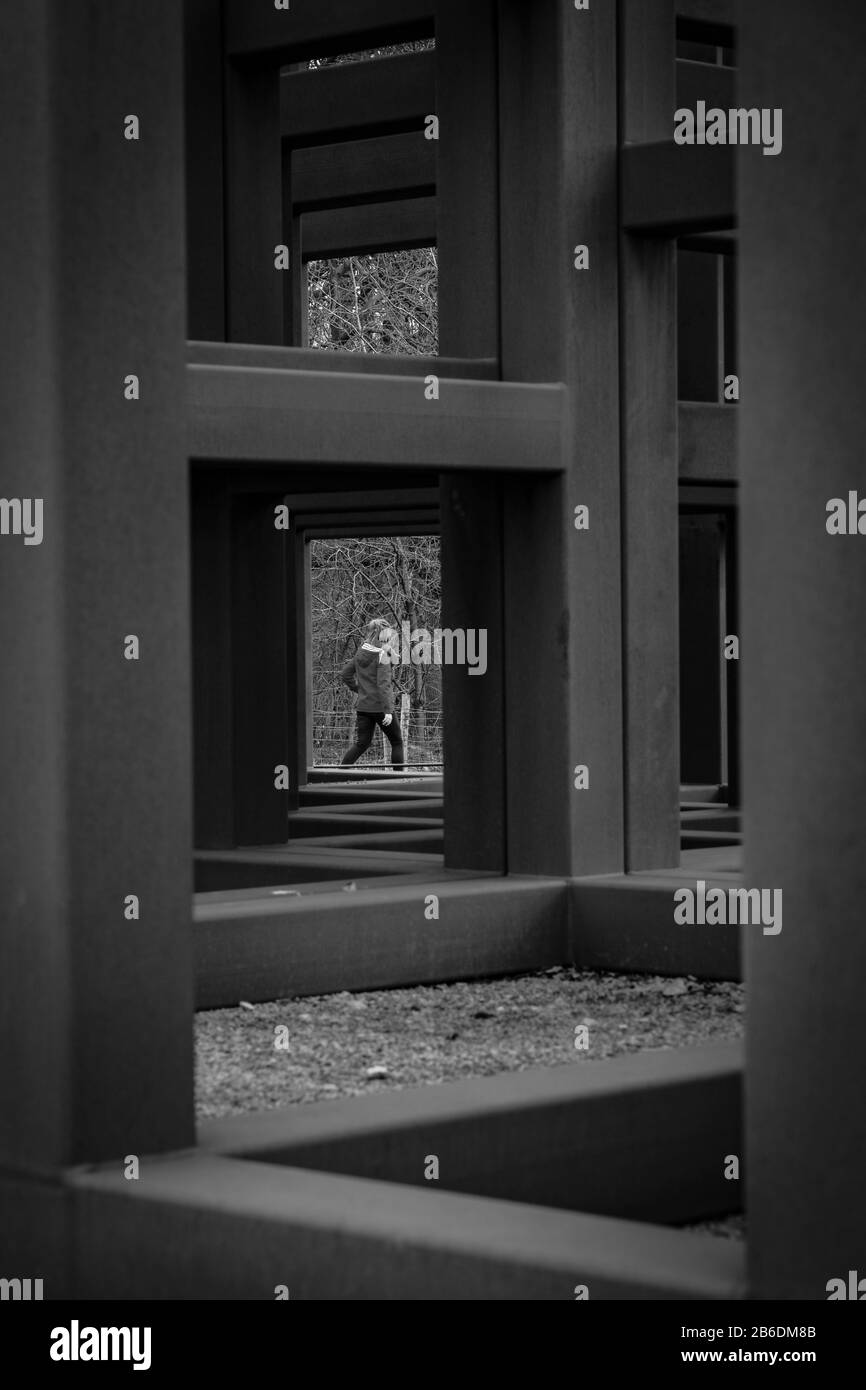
<point x="368" y="675"/>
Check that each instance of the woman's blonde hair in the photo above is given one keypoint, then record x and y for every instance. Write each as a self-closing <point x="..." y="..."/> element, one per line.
<point x="374" y="628"/>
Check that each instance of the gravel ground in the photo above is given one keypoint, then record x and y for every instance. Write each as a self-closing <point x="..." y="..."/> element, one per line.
<point x="352" y="1044"/>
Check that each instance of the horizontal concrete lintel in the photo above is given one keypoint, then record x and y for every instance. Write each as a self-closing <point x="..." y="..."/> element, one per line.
<point x="377" y="939"/>
<point x="671" y="190"/>
<point x="709" y="839"/>
<point x="204" y="354"/>
<point x="373" y="777"/>
<point x="322" y="794"/>
<point x="328" y="102"/>
<point x="708" y="82"/>
<point x="318" y="30"/>
<point x="207" y="1227"/>
<point x="377" y="503"/>
<point x="625" y="922"/>
<point x="398" y="225"/>
<point x="403" y="841"/>
<point x="273" y="1135"/>
<point x="719" y="13"/>
<point x="425" y="808"/>
<point x="408" y="523"/>
<point x="707" y="443"/>
<point x="705" y="791"/>
<point x="320" y="885"/>
<point x="309" y="852"/>
<point x="238" y="869"/>
<point x="459" y="894"/>
<point x="264" y="415"/>
<point x="304" y="851"/>
<point x="712" y="243"/>
<point x="644" y="1137"/>
<point x="365" y="171"/>
<point x="712" y="818"/>
<point x="321" y="822"/>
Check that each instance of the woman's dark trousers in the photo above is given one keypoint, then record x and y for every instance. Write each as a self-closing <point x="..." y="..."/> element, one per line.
<point x="366" y="728"/>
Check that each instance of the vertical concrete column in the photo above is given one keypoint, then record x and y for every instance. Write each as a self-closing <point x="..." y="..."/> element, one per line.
<point x="700" y="731"/>
<point x="95" y="844"/>
<point x="732" y="671"/>
<point x="293" y="280"/>
<point x="470" y="507"/>
<point x="254" y="202"/>
<point x="699" y="322"/>
<point x="299" y="661"/>
<point x="213" y="704"/>
<point x="803" y="425"/>
<point x="648" y="413"/>
<point x="562" y="596"/>
<point x="261" y="665"/>
<point x="205" y="191"/>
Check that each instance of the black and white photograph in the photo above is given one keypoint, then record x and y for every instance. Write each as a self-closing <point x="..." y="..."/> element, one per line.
<point x="432" y="707"/>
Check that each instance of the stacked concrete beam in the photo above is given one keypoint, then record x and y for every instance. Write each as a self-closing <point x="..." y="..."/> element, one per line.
<point x="551" y="1136"/>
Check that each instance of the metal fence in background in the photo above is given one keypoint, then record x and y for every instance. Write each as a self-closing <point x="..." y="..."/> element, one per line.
<point x="334" y="731"/>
